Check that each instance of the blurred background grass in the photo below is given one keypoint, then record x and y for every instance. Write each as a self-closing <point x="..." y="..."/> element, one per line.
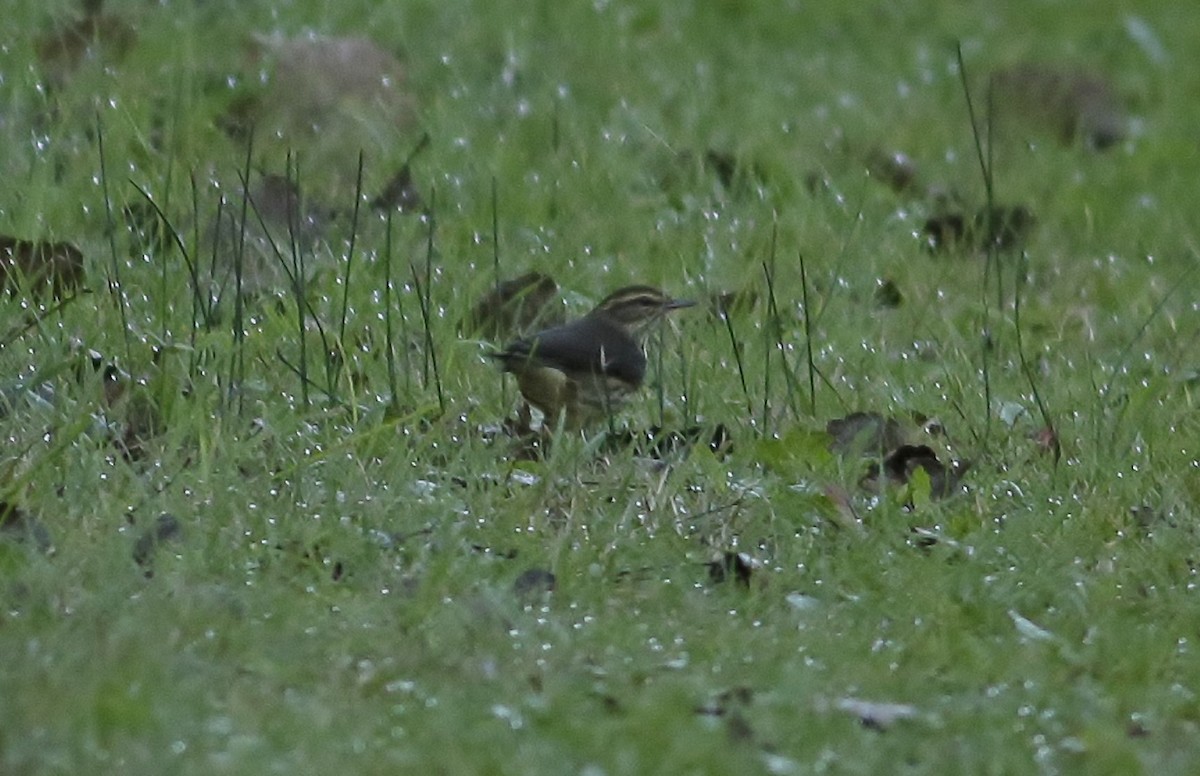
<point x="343" y="589"/>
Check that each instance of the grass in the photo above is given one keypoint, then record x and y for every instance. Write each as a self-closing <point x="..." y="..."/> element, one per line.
<point x="344" y="591"/>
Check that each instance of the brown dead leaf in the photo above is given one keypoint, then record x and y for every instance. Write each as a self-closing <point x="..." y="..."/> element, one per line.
<point x="33" y="264"/>
<point x="864" y="433"/>
<point x="1068" y="103"/>
<point x="534" y="584"/>
<point x="723" y="164"/>
<point x="166" y="530"/>
<point x="96" y="37"/>
<point x="873" y="436"/>
<point x="736" y="566"/>
<point x="901" y="463"/>
<point x="142" y="423"/>
<point x="401" y="191"/>
<point x="513" y="307"/>
<point x="895" y="169"/>
<point x="887" y="294"/>
<point x="1046" y="439"/>
<point x="328" y="99"/>
<point x="944" y="232"/>
<point x="1005" y="227"/>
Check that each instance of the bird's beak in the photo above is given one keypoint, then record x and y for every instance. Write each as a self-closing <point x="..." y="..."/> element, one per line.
<point x="676" y="304"/>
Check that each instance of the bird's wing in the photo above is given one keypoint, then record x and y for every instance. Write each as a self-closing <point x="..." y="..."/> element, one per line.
<point x="609" y="353"/>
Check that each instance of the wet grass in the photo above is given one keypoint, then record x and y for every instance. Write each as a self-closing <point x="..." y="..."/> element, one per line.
<point x="356" y="578"/>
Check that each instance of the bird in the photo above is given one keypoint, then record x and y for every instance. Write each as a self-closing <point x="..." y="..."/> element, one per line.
<point x="585" y="369"/>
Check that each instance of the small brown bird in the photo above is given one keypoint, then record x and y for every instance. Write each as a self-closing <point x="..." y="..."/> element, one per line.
<point x="586" y="369"/>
